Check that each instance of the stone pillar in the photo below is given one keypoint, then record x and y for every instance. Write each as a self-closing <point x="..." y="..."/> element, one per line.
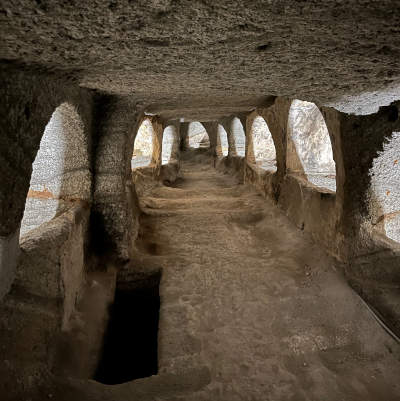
<point x="243" y="120"/>
<point x="184" y="136"/>
<point x="276" y="117"/>
<point x="30" y="98"/>
<point x="227" y="124"/>
<point x="232" y="151"/>
<point x="356" y="142"/>
<point x="250" y="157"/>
<point x="173" y="127"/>
<point x="158" y="129"/>
<point x="212" y="131"/>
<point x="24" y="112"/>
<point x="218" y="149"/>
<point x="175" y="151"/>
<point x="114" y="213"/>
<point x="9" y="252"/>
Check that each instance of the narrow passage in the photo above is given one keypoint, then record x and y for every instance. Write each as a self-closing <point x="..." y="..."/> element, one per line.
<point x="248" y="295"/>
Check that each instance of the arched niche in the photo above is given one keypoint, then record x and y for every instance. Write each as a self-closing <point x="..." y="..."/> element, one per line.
<point x="60" y="171"/>
<point x="384" y="191"/>
<point x="309" y="145"/>
<point x="143" y="145"/>
<point x="198" y="136"/>
<point x="169" y="144"/>
<point x="222" y="142"/>
<point x="263" y="145"/>
<point x="239" y="137"/>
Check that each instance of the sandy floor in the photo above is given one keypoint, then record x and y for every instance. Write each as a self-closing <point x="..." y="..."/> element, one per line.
<point x="250" y="308"/>
<point x="247" y="295"/>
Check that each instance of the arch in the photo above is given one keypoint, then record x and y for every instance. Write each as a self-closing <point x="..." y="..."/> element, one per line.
<point x="169" y="144"/>
<point x="239" y="137"/>
<point x="309" y="145"/>
<point x="60" y="171"/>
<point x="198" y="136"/>
<point x="143" y="145"/>
<point x="384" y="199"/>
<point x="222" y="142"/>
<point x="263" y="145"/>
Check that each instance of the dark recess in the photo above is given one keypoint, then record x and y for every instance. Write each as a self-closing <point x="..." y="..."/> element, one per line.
<point x="131" y="341"/>
<point x="264" y="47"/>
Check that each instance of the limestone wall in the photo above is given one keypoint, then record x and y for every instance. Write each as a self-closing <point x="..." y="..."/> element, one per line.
<point x="384" y="192"/>
<point x="350" y="224"/>
<point x="32" y="97"/>
<point x="61" y="170"/>
<point x="364" y="152"/>
<point x="52" y="264"/>
<point x="85" y="169"/>
<point x="115" y="210"/>
<point x="346" y="223"/>
<point x="42" y="273"/>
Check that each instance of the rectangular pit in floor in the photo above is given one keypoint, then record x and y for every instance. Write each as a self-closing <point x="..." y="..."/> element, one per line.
<point x="131" y="340"/>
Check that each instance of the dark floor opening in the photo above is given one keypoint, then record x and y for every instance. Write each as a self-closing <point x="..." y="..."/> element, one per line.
<point x="131" y="340"/>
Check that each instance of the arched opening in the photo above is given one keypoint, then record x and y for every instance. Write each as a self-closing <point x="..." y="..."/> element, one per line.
<point x="222" y="142"/>
<point x="239" y="137"/>
<point x="263" y="145"/>
<point x="169" y="144"/>
<point x="143" y="147"/>
<point x="309" y="145"/>
<point x="60" y="171"/>
<point x="385" y="188"/>
<point x="198" y="136"/>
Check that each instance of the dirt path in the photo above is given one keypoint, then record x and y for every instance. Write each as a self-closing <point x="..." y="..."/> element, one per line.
<point x="247" y="295"/>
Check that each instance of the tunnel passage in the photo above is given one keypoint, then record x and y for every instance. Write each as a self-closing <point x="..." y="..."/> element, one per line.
<point x="130" y="348"/>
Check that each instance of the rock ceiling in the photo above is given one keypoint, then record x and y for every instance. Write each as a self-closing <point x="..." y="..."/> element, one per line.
<point x="204" y="59"/>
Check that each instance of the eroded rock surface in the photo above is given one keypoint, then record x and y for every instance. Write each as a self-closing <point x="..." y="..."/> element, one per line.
<point x="213" y="58"/>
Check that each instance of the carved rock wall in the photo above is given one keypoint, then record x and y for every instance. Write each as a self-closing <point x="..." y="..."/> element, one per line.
<point x="30" y="99"/>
